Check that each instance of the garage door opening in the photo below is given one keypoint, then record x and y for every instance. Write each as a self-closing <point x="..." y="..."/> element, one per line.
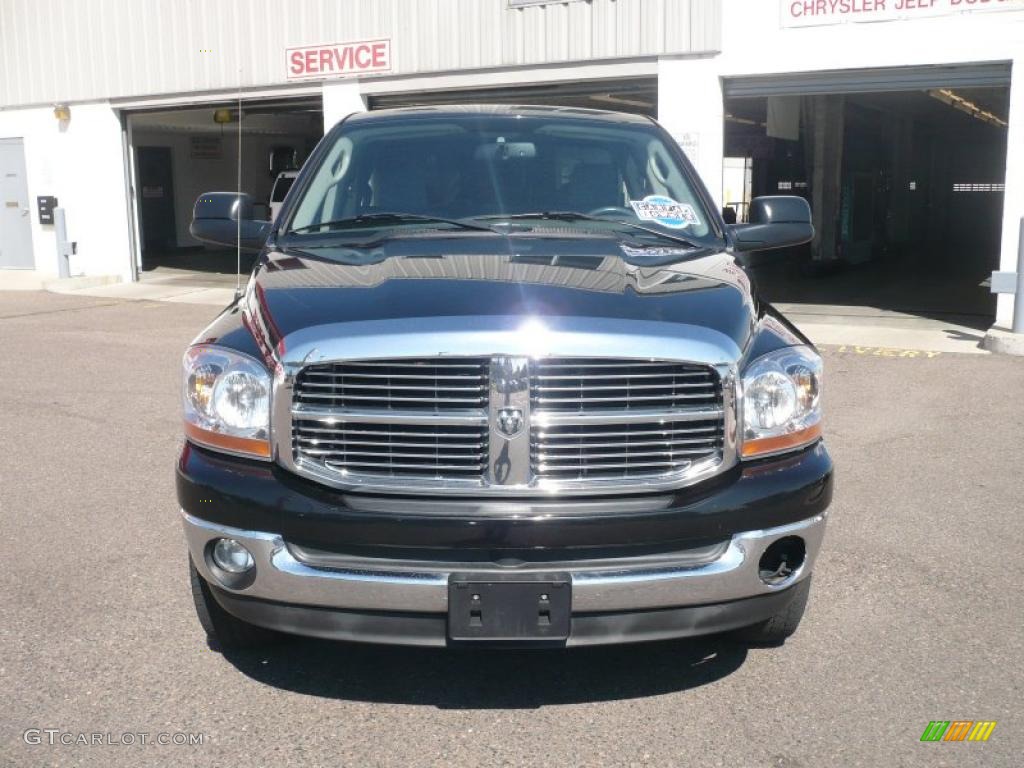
<point x="907" y="187"/>
<point x="181" y="153"/>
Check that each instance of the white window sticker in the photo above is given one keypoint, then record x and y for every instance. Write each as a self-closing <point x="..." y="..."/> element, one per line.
<point x="665" y="211"/>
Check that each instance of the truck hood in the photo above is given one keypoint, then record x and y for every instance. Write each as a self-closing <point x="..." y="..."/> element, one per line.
<point x="473" y="284"/>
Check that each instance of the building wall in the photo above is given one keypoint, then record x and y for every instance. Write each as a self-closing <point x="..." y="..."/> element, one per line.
<point x="1013" y="197"/>
<point x="82" y="164"/>
<point x="57" y="50"/>
<point x="691" y="109"/>
<point x="340" y="99"/>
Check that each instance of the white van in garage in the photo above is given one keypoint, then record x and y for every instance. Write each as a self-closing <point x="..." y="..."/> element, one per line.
<point x="282" y="184"/>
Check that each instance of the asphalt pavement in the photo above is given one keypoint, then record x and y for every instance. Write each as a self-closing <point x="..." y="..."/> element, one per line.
<point x="915" y="615"/>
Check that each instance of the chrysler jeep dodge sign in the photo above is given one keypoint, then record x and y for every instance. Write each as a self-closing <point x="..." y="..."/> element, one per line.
<point x="338" y="59"/>
<point x="809" y="13"/>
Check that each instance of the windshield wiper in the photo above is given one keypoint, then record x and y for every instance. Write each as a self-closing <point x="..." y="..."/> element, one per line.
<point x="576" y="216"/>
<point x="369" y="219"/>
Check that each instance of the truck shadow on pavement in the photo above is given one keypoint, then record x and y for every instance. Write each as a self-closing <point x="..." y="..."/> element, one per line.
<point x="489" y="679"/>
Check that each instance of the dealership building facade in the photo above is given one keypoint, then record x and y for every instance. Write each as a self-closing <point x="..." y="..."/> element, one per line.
<point x="902" y="122"/>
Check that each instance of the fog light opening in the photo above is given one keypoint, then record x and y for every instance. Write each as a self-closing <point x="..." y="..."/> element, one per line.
<point x="781" y="560"/>
<point x="232" y="556"/>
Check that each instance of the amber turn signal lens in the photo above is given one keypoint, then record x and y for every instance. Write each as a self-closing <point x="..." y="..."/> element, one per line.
<point x="247" y="445"/>
<point x="763" y="445"/>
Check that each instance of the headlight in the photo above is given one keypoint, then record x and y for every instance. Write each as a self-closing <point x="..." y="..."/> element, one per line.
<point x="227" y="401"/>
<point x="781" y="402"/>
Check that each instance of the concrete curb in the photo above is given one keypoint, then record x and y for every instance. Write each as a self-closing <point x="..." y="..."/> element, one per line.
<point x="73" y="284"/>
<point x="24" y="279"/>
<point x="111" y="287"/>
<point x="1004" y="342"/>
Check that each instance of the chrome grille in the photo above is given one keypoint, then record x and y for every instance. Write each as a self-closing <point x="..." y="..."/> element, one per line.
<point x="436" y="384"/>
<point x="393" y="450"/>
<point x="404" y="418"/>
<point x="448" y="425"/>
<point x="584" y="451"/>
<point x="582" y="384"/>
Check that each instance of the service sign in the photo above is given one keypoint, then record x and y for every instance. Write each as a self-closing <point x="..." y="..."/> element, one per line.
<point x="338" y="59"/>
<point x="810" y="13"/>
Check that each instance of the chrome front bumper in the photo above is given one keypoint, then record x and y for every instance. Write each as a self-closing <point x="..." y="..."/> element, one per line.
<point x="280" y="577"/>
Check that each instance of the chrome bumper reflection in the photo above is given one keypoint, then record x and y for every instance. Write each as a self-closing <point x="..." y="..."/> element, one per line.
<point x="282" y="578"/>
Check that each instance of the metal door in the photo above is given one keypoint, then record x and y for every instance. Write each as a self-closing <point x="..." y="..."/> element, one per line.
<point x="15" y="221"/>
<point x="156" y="206"/>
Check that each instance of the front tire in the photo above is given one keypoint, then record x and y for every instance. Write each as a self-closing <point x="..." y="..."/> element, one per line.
<point x="224" y="631"/>
<point x="774" y="631"/>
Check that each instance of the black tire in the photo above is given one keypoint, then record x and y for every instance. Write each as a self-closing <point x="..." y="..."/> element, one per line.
<point x="224" y="631"/>
<point x="775" y="630"/>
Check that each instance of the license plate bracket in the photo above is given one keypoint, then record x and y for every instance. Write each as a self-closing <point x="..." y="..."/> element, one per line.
<point x="513" y="608"/>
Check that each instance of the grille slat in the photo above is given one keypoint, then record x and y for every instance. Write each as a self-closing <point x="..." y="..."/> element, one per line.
<point x="632" y="387"/>
<point x="543" y="435"/>
<point x="315" y="375"/>
<point x="622" y="466"/>
<point x="417" y="469"/>
<point x="392" y="399"/>
<point x="551" y="364"/>
<point x="617" y="377"/>
<point x="547" y="458"/>
<point x="620" y="398"/>
<point x="399" y="387"/>
<point x="644" y="444"/>
<point x="436" y="455"/>
<point x="376" y="433"/>
<point x="319" y="443"/>
<point x="439" y="364"/>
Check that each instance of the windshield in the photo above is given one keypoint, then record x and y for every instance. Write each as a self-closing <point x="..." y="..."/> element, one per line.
<point x="490" y="167"/>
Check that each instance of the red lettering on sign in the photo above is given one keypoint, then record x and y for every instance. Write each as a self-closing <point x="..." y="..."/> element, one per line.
<point x="339" y="59"/>
<point x="802" y="13"/>
<point x="380" y="60"/>
<point x="800" y="8"/>
<point x="362" y="56"/>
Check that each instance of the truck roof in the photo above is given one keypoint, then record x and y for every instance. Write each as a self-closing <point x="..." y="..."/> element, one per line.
<point x="467" y="110"/>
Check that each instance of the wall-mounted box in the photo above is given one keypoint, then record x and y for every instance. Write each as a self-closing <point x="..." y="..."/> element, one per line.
<point x="46" y="204"/>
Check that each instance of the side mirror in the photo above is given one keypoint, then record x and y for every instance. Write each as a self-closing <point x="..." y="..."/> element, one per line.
<point x="775" y="222"/>
<point x="221" y="217"/>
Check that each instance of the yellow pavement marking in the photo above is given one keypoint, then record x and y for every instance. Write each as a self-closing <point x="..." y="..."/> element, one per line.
<point x="885" y="351"/>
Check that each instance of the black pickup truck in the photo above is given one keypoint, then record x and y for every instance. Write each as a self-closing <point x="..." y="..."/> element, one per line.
<point x="499" y="377"/>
